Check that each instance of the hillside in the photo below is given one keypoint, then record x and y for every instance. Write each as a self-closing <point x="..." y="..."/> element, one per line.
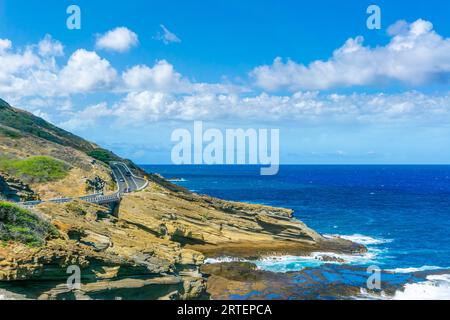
<point x="25" y="136"/>
<point x="16" y="123"/>
<point x="154" y="245"/>
<point x="26" y="123"/>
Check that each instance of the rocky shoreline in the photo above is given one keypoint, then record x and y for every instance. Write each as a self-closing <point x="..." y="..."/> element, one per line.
<point x="242" y="280"/>
<point x="155" y="248"/>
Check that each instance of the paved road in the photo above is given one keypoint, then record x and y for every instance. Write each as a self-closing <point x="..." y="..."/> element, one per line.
<point x="125" y="179"/>
<point x="126" y="182"/>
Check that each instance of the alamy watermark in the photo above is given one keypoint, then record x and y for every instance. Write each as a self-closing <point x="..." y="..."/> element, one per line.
<point x="234" y="146"/>
<point x="374" y="279"/>
<point x="73" y="22"/>
<point x="374" y="20"/>
<point x="74" y="280"/>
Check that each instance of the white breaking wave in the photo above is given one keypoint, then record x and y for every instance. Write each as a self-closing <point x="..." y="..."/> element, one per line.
<point x="436" y="287"/>
<point x="365" y="295"/>
<point x="6" y="295"/>
<point x="286" y="263"/>
<point x="222" y="260"/>
<point x="413" y="269"/>
<point x="316" y="259"/>
<point x="296" y="263"/>
<point x="177" y="180"/>
<point x="361" y="239"/>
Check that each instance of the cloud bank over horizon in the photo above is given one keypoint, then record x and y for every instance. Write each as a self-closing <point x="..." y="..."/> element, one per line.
<point x="43" y="78"/>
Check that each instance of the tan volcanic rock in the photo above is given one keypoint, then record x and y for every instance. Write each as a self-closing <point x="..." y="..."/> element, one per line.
<point x="221" y="228"/>
<point x="82" y="167"/>
<point x="154" y="247"/>
<point x="159" y="233"/>
<point x="106" y="249"/>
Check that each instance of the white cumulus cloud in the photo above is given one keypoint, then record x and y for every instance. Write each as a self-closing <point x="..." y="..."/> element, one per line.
<point x="159" y="77"/>
<point x="415" y="55"/>
<point x="162" y="77"/>
<point x="86" y="71"/>
<point x="17" y="68"/>
<point x="87" y="117"/>
<point x="50" y="47"/>
<point x="34" y="72"/>
<point x="139" y="108"/>
<point x="34" y="76"/>
<point x="120" y="39"/>
<point x="5" y="44"/>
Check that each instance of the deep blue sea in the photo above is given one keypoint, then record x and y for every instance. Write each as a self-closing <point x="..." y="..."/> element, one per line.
<point x="401" y="213"/>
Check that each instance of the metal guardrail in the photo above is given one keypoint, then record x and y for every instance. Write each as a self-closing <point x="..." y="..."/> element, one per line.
<point x="98" y="198"/>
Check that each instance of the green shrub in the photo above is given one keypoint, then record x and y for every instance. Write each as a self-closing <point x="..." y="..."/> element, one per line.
<point x="20" y="225"/>
<point x="102" y="155"/>
<point x="10" y="133"/>
<point x="35" y="169"/>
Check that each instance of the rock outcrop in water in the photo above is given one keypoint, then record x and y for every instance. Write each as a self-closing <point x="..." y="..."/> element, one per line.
<point x="222" y="228"/>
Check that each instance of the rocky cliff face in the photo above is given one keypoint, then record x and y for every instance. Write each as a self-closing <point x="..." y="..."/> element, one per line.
<point x="82" y="168"/>
<point x="155" y="247"/>
<point x="152" y="249"/>
<point x="114" y="255"/>
<point x="13" y="189"/>
<point x="222" y="228"/>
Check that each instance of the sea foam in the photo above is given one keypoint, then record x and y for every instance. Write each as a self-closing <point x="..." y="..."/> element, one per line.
<point x="414" y="269"/>
<point x="222" y="260"/>
<point x="296" y="263"/>
<point x="282" y="264"/>
<point x="361" y="239"/>
<point x="436" y="287"/>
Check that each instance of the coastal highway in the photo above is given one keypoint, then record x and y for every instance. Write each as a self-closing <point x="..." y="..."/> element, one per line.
<point x="125" y="179"/>
<point x="126" y="182"/>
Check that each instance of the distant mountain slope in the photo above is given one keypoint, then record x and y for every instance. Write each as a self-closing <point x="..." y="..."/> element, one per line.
<point x="26" y="122"/>
<point x="24" y="136"/>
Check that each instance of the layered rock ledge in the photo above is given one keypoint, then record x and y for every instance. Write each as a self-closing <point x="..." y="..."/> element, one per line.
<point x="223" y="228"/>
<point x="156" y="244"/>
<point x="151" y="248"/>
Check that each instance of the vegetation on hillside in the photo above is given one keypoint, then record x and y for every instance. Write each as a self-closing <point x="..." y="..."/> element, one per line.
<point x="103" y="155"/>
<point x="35" y="169"/>
<point x="9" y="133"/>
<point x="107" y="156"/>
<point x="18" y="123"/>
<point x="20" y="225"/>
<point x="3" y="103"/>
<point x="28" y="123"/>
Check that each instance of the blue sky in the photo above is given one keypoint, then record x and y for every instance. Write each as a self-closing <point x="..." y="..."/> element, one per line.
<point x="338" y="92"/>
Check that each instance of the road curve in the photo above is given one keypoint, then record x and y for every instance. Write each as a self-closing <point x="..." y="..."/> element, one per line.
<point x="126" y="182"/>
<point x="125" y="179"/>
